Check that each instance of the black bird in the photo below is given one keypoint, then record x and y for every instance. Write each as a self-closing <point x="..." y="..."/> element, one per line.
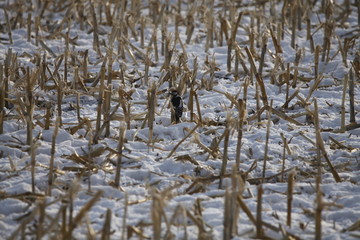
<point x="177" y="104"/>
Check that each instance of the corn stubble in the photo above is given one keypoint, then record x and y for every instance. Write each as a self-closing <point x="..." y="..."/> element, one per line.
<point x="125" y="18"/>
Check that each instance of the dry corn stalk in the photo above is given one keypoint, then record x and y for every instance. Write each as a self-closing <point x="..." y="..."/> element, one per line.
<point x="266" y="141"/>
<point x="320" y="144"/>
<point x="2" y="99"/>
<point x="258" y="77"/>
<point x="290" y="196"/>
<point x="318" y="210"/>
<point x="52" y="156"/>
<point x="151" y="111"/>
<point x="119" y="159"/>
<point x="107" y="226"/>
<point x="345" y="84"/>
<point x="259" y="222"/>
<point x="242" y="118"/>
<point x="100" y="103"/>
<point x="226" y="144"/>
<point x="351" y="95"/>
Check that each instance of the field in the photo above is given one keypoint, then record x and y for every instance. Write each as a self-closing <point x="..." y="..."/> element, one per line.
<point x="267" y="147"/>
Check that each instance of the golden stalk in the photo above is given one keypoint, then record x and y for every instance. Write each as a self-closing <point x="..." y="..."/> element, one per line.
<point x="228" y="215"/>
<point x="239" y="56"/>
<point x="267" y="141"/>
<point x="107" y="105"/>
<point x="316" y="61"/>
<point x="242" y="117"/>
<point x="76" y="80"/>
<point x="96" y="44"/>
<point x="259" y="222"/>
<point x="320" y="144"/>
<point x="210" y="30"/>
<point x="151" y="112"/>
<point x="29" y="27"/>
<point x="84" y="64"/>
<point x="105" y="235"/>
<point x="293" y="23"/>
<point x="258" y="77"/>
<point x="296" y="71"/>
<point x="284" y="116"/>
<point x="351" y="96"/>
<point x="8" y="25"/>
<point x="37" y="27"/>
<point x="276" y="43"/>
<point x="198" y="107"/>
<point x="263" y="52"/>
<point x="156" y="216"/>
<point x="225" y="154"/>
<point x="191" y="103"/>
<point x="126" y="204"/>
<point x="2" y="99"/>
<point x="40" y="221"/>
<point x="318" y="210"/>
<point x="63" y="222"/>
<point x="290" y="196"/>
<point x="100" y="104"/>
<point x="283" y="157"/>
<point x="345" y="84"/>
<point x="119" y="159"/>
<point x="190" y="25"/>
<point x="288" y="99"/>
<point x="7" y="76"/>
<point x="52" y="156"/>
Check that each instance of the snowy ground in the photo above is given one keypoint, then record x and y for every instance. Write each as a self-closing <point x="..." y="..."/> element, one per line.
<point x="149" y="177"/>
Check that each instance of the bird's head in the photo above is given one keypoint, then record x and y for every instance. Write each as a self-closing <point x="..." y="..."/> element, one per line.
<point x="173" y="92"/>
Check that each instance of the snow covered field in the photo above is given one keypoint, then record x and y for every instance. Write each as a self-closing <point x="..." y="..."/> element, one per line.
<point x="89" y="63"/>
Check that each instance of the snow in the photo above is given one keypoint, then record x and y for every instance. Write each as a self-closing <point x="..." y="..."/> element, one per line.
<point x="179" y="181"/>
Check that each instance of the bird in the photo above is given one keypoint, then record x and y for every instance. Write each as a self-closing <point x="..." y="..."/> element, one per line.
<point x="177" y="104"/>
